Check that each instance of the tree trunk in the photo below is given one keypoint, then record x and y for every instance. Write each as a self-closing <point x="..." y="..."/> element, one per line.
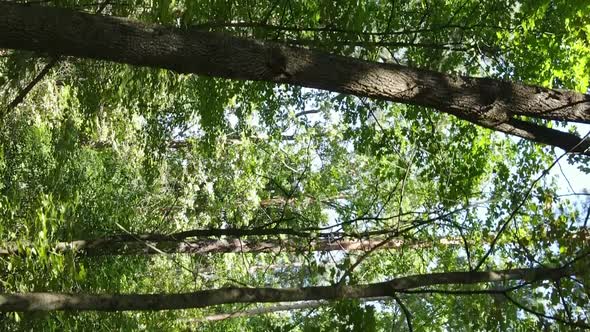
<point x="186" y="243"/>
<point x="206" y="298"/>
<point x="489" y="103"/>
<point x="269" y="310"/>
<point x="185" y="144"/>
<point x="157" y="244"/>
<point x="258" y="311"/>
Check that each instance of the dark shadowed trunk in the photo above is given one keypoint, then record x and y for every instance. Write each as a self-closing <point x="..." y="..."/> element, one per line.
<point x="206" y="298"/>
<point x="489" y="103"/>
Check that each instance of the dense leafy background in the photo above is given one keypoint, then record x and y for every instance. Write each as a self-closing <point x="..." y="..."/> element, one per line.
<point x="98" y="149"/>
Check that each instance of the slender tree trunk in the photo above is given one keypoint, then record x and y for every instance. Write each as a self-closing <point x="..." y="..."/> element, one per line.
<point x="206" y="298"/>
<point x="184" y="144"/>
<point x="269" y="310"/>
<point x="281" y="201"/>
<point x="258" y="311"/>
<point x="198" y="241"/>
<point x="489" y="103"/>
<point x="124" y="245"/>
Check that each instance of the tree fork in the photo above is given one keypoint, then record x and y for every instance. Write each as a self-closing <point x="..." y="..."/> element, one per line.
<point x="483" y="101"/>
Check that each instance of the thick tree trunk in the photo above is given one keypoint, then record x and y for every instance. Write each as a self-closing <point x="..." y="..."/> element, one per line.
<point x="123" y="245"/>
<point x="206" y="298"/>
<point x="489" y="103"/>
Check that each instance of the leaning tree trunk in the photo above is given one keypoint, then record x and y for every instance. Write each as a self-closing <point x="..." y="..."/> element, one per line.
<point x="206" y="298"/>
<point x="489" y="103"/>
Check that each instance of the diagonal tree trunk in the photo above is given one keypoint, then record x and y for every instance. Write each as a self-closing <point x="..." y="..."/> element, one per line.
<point x="486" y="102"/>
<point x="206" y="298"/>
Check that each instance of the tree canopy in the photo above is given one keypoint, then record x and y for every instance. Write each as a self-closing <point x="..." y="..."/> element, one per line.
<point x="294" y="165"/>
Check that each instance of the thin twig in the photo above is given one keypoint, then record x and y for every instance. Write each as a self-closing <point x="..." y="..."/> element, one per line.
<point x="149" y="245"/>
<point x="542" y="315"/>
<point x="52" y="63"/>
<point x="24" y="92"/>
<point x="523" y="201"/>
<point x="407" y="312"/>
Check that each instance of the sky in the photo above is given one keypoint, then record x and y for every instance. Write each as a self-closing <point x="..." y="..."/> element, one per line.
<point x="569" y="178"/>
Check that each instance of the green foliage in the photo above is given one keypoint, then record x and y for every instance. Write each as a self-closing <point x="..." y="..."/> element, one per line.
<point x="99" y="149"/>
<point x="550" y="46"/>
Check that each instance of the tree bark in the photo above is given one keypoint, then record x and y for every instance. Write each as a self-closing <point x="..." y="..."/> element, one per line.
<point x="258" y="311"/>
<point x="206" y="298"/>
<point x="124" y="245"/>
<point x="489" y="103"/>
<point x="198" y="241"/>
<point x="269" y="310"/>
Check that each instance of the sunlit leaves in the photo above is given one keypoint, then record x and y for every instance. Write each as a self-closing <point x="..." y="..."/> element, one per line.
<point x="99" y="149"/>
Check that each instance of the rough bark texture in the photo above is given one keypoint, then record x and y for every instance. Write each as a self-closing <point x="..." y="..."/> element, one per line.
<point x="486" y="102"/>
<point x="56" y="301"/>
